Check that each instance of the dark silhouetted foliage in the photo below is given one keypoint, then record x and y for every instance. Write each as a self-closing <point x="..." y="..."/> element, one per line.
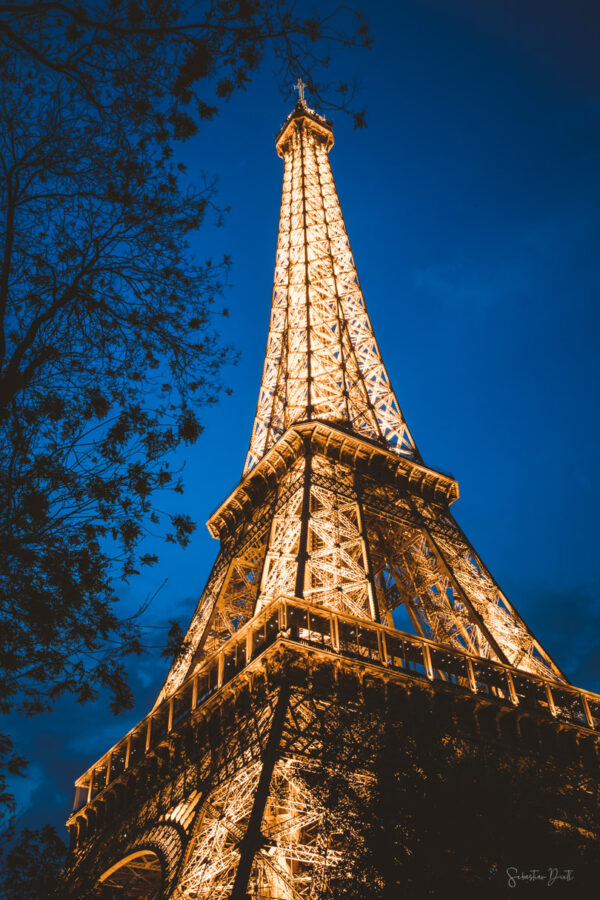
<point x="29" y="869"/>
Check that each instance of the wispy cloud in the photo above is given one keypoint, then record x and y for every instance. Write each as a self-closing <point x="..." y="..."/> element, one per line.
<point x="568" y="624"/>
<point x="526" y="264"/>
<point x="463" y="284"/>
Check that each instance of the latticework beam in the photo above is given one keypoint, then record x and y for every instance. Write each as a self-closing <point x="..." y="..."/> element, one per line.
<point x="322" y="359"/>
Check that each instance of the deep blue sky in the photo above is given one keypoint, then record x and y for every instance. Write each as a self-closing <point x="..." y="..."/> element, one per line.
<point x="472" y="201"/>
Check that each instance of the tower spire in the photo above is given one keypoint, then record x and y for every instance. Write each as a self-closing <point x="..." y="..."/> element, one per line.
<point x="322" y="360"/>
<point x="299" y="86"/>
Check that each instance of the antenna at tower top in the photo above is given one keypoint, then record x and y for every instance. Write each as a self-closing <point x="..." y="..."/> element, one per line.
<point x="299" y="86"/>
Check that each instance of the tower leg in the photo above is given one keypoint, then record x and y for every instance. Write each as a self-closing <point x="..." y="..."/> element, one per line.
<point x="252" y="838"/>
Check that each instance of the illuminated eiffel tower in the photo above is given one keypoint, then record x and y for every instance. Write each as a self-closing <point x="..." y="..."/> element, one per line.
<point x="337" y="533"/>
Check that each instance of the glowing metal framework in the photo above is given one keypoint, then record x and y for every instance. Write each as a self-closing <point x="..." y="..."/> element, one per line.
<point x="337" y="512"/>
<point x="322" y="533"/>
<point x="322" y="359"/>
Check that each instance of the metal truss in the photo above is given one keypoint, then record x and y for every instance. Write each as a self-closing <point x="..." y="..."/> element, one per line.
<point x="356" y="545"/>
<point x="426" y="564"/>
<point x="229" y="597"/>
<point x="296" y="850"/>
<point x="316" y="546"/>
<point x="279" y="573"/>
<point x="322" y="359"/>
<point x="136" y="876"/>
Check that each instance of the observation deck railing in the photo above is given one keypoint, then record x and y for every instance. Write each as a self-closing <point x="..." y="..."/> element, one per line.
<point x="292" y="620"/>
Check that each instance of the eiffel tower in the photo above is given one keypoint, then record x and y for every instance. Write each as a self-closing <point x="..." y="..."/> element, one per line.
<point x="294" y="661"/>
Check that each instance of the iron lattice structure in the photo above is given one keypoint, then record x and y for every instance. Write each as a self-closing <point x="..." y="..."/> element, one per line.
<point x="335" y="527"/>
